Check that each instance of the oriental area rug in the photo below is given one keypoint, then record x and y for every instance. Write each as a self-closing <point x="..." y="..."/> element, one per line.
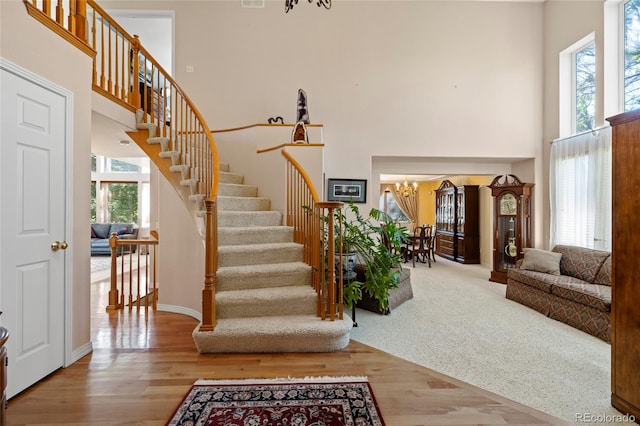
<point x="311" y="401"/>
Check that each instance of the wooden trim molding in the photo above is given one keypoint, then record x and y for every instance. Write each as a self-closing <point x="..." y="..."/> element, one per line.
<point x="284" y="145"/>
<point x="249" y="126"/>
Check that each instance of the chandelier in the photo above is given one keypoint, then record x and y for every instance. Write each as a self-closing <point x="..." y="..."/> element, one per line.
<point x="288" y="4"/>
<point x="405" y="189"/>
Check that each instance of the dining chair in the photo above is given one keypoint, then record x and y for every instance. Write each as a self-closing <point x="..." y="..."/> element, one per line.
<point x="417" y="245"/>
<point x="432" y="243"/>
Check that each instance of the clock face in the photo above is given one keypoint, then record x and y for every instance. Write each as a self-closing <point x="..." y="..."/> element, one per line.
<point x="508" y="204"/>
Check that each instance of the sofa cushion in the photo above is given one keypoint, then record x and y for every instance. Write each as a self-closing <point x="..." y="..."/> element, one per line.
<point x="101" y="229"/>
<point x="539" y="280"/>
<point x="594" y="295"/>
<point x="604" y="274"/>
<point x="100" y="243"/>
<point x="121" y="228"/>
<point x="541" y="261"/>
<point x="580" y="262"/>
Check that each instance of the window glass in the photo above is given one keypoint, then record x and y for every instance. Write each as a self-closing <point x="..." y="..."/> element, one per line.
<point x="93" y="202"/>
<point x="122" y="202"/>
<point x="389" y="206"/>
<point x="631" y="55"/>
<point x="585" y="88"/>
<point x="116" y="165"/>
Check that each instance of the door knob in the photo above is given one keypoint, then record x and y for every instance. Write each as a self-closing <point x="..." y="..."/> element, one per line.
<point x="58" y="245"/>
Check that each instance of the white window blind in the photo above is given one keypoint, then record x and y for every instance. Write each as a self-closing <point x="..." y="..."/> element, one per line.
<point x="580" y="190"/>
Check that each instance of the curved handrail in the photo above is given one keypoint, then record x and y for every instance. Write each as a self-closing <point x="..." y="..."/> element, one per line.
<point x="182" y="107"/>
<point x="125" y="72"/>
<point x="307" y="215"/>
<point x="303" y="174"/>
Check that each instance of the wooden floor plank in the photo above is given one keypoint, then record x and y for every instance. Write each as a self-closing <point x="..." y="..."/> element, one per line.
<point x="143" y="364"/>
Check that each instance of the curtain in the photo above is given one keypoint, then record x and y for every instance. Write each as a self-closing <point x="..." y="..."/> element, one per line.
<point x="408" y="205"/>
<point x="580" y="190"/>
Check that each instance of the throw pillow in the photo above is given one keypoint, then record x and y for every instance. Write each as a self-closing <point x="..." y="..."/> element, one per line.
<point x="101" y="229"/>
<point x="122" y="231"/>
<point x="93" y="234"/>
<point x="541" y="261"/>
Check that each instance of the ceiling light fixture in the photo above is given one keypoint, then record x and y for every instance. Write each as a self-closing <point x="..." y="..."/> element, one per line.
<point x="124" y="142"/>
<point x="288" y="4"/>
<point x="405" y="189"/>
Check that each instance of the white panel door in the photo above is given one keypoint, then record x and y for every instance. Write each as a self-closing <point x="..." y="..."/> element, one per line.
<point x="32" y="213"/>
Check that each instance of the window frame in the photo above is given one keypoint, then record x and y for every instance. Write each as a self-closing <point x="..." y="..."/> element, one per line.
<point x="567" y="84"/>
<point x="622" y="89"/>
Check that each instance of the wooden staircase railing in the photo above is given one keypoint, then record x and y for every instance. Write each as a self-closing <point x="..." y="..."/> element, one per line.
<point x="133" y="282"/>
<point x="313" y="224"/>
<point x="125" y="72"/>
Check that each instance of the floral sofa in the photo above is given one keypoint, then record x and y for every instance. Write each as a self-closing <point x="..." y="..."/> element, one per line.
<point x="101" y="232"/>
<point x="569" y="284"/>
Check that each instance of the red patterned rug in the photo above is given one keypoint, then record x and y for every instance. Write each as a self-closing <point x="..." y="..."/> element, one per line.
<point x="317" y="401"/>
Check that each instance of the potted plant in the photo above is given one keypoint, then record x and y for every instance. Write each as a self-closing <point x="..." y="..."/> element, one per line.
<point x="375" y="241"/>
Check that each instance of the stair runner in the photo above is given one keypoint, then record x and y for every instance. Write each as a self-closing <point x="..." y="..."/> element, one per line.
<point x="264" y="299"/>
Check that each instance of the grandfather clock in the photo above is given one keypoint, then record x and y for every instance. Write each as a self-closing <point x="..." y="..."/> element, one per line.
<point x="511" y="225"/>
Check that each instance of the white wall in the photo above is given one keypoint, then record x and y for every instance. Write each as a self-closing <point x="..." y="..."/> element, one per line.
<point x="425" y="79"/>
<point x="29" y="44"/>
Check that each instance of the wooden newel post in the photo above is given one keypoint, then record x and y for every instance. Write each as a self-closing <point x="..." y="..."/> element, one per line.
<point x="211" y="266"/>
<point x="113" y="291"/>
<point x="329" y="298"/>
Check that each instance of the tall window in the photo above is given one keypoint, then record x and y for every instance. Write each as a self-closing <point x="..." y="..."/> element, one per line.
<point x="389" y="205"/>
<point x="580" y="190"/>
<point x="122" y="202"/>
<point x="577" y="86"/>
<point x="631" y="43"/>
<point x="585" y="88"/>
<point x="120" y="190"/>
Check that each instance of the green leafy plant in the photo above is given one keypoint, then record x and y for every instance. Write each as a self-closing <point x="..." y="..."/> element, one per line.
<point x="376" y="240"/>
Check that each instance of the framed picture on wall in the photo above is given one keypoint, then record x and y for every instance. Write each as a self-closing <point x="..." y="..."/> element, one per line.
<point x="347" y="190"/>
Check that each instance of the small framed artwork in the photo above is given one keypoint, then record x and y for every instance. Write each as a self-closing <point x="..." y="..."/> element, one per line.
<point x="347" y="190"/>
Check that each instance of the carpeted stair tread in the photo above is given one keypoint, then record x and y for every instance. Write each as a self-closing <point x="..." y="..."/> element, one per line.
<point x="230" y="203"/>
<point x="228" y="177"/>
<point x="254" y="235"/>
<point x="263" y="276"/>
<point x="290" y="300"/>
<point x="294" y="333"/>
<point x="252" y="254"/>
<point x="250" y="218"/>
<point x="237" y="190"/>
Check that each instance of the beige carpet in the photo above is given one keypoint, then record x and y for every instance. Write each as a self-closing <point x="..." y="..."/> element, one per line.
<point x="460" y="324"/>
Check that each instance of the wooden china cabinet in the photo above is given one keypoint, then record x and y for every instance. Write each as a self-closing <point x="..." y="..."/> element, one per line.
<point x="446" y="219"/>
<point x="468" y="224"/>
<point x="511" y="225"/>
<point x="625" y="252"/>
<point x="457" y="222"/>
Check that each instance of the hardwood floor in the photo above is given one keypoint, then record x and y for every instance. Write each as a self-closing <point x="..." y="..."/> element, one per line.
<point x="143" y="364"/>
